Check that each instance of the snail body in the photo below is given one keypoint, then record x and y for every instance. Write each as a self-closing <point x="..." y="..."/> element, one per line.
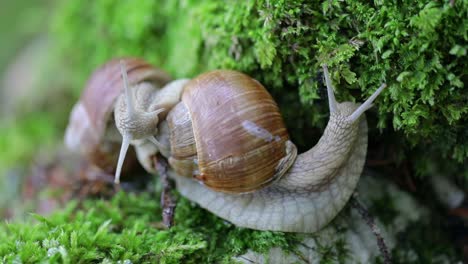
<point x="222" y="129"/>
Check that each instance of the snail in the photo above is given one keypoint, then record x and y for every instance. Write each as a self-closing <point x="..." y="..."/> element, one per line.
<point x="229" y="151"/>
<point x="91" y="130"/>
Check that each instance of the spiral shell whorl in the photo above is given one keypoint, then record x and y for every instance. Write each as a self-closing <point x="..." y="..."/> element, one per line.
<point x="238" y="130"/>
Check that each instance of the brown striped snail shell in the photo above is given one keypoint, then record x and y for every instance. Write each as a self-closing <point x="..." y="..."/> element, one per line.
<point x="236" y="133"/>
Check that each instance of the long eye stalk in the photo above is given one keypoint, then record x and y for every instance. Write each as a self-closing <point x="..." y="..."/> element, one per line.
<point x="331" y="96"/>
<point x="130" y="110"/>
<point x="128" y="94"/>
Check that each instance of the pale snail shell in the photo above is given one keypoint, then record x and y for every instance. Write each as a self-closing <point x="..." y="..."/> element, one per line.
<point x="297" y="194"/>
<point x="91" y="130"/>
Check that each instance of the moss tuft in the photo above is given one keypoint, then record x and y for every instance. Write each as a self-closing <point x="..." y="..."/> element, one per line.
<point x="124" y="228"/>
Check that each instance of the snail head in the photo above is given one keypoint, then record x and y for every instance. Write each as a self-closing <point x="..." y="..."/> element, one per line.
<point x="132" y="122"/>
<point x="349" y="112"/>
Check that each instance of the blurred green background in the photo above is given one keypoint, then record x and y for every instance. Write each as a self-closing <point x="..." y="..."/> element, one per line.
<point x="31" y="93"/>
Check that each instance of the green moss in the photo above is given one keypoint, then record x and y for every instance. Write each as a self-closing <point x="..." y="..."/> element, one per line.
<point x="124" y="228"/>
<point x="418" y="48"/>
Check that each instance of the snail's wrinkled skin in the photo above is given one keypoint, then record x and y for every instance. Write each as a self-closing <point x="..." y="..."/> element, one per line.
<point x="309" y="195"/>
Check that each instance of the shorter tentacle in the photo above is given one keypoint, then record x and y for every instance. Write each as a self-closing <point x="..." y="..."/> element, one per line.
<point x="366" y="105"/>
